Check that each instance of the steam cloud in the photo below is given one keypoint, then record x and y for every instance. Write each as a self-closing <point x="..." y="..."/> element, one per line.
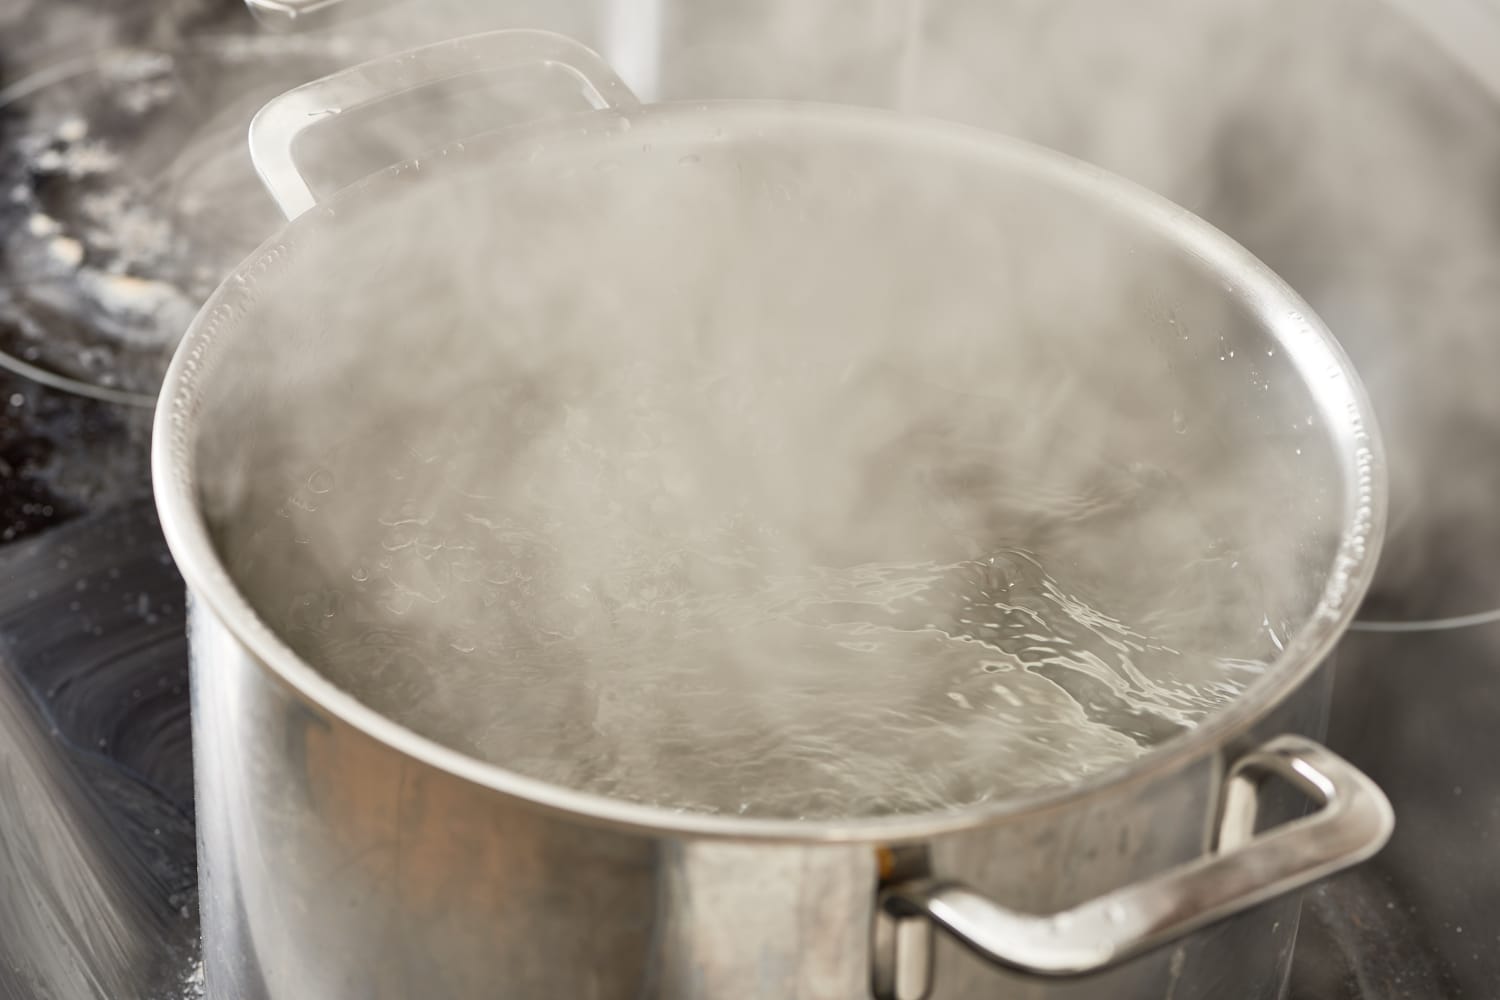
<point x="1337" y="140"/>
<point x="1038" y="414"/>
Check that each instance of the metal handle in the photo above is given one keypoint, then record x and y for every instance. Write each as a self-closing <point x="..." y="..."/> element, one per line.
<point x="1244" y="869"/>
<point x="275" y="128"/>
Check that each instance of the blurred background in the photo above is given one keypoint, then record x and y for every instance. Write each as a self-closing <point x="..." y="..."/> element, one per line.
<point x="1354" y="145"/>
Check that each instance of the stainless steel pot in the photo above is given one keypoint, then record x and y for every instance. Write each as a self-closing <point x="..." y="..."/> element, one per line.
<point x="344" y="856"/>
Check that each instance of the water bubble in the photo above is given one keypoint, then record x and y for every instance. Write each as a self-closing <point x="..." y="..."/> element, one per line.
<point x="400" y="537"/>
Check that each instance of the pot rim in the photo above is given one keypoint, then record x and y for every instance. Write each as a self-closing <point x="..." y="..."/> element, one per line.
<point x="1322" y="363"/>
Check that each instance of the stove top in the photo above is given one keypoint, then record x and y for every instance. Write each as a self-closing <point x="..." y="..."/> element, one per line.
<point x="97" y="883"/>
<point x="97" y="891"/>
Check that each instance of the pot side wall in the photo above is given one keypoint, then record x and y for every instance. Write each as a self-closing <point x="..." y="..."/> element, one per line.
<point x="333" y="866"/>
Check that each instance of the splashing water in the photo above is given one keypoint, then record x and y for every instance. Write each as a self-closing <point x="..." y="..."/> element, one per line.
<point x="863" y="690"/>
<point x="702" y="662"/>
<point x="647" y="586"/>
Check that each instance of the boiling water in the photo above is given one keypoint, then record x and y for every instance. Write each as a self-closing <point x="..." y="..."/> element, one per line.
<point x="578" y="601"/>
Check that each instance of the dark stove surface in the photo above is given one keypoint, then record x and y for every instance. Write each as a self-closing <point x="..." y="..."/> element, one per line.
<point x="97" y="881"/>
<point x="62" y="455"/>
<point x="1420" y="713"/>
<point x="96" y="839"/>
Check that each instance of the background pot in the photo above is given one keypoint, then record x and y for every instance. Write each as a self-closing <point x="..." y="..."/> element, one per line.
<point x="342" y="855"/>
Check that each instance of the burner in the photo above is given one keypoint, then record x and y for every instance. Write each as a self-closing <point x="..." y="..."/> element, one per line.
<point x="126" y="193"/>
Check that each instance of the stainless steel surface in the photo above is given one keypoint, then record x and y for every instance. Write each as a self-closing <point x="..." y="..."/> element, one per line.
<point x="344" y="856"/>
<point x="1245" y="868"/>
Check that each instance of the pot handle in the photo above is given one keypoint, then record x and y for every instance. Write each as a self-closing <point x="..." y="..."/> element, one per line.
<point x="276" y="127"/>
<point x="1243" y="869"/>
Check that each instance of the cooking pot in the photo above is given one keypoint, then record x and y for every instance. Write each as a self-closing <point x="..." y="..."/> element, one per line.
<point x="342" y="855"/>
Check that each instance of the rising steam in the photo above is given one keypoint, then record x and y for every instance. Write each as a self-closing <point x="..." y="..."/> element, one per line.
<point x="1333" y="138"/>
<point x="623" y="453"/>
